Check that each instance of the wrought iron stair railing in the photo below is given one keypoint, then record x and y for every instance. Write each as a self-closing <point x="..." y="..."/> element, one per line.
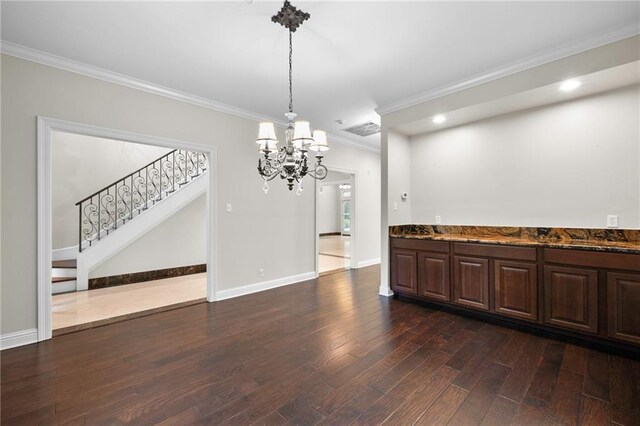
<point x="106" y="210"/>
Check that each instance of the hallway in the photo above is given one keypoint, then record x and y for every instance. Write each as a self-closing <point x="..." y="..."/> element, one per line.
<point x="334" y="253"/>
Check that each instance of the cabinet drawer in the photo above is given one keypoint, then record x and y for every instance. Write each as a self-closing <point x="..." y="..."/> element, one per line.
<point x="515" y="289"/>
<point x="571" y="298"/>
<point x="417" y="244"/>
<point x="498" y="251"/>
<point x="593" y="259"/>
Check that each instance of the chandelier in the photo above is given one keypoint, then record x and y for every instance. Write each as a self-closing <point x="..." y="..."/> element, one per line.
<point x="290" y="162"/>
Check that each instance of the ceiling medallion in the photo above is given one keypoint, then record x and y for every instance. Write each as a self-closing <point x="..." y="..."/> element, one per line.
<point x="290" y="162"/>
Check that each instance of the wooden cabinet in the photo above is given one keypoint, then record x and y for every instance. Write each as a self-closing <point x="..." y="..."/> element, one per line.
<point x="571" y="298"/>
<point x="404" y="271"/>
<point x="623" y="306"/>
<point x="433" y="276"/>
<point x="471" y="282"/>
<point x="591" y="295"/>
<point x="515" y="289"/>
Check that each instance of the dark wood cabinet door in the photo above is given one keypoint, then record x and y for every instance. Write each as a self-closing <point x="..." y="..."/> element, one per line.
<point x="404" y="271"/>
<point x="471" y="282"/>
<point x="571" y="298"/>
<point x="433" y="276"/>
<point x="623" y="306"/>
<point x="515" y="289"/>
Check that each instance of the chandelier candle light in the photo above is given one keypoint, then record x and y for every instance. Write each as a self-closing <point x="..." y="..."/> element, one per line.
<point x="290" y="162"/>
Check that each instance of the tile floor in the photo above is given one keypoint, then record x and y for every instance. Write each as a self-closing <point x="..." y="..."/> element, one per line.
<point x="334" y="253"/>
<point x="71" y="309"/>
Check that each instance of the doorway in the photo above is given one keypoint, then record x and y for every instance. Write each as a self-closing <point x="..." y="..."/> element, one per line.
<point x="47" y="130"/>
<point x="335" y="222"/>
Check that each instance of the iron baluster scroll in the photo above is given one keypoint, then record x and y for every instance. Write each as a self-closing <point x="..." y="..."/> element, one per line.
<point x="111" y="207"/>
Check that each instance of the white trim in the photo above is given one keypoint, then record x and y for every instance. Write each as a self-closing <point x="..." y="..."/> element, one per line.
<point x="55" y="61"/>
<point x="18" y="338"/>
<point x="365" y="263"/>
<point x="385" y="291"/>
<point x="264" y="285"/>
<point x="45" y="127"/>
<point x="65" y="253"/>
<point x="515" y="67"/>
<point x="44" y="229"/>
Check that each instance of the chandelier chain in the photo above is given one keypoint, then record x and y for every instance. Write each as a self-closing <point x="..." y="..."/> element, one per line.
<point x="290" y="71"/>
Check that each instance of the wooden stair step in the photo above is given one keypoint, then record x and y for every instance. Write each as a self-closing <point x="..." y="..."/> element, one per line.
<point x="62" y="279"/>
<point x="70" y="264"/>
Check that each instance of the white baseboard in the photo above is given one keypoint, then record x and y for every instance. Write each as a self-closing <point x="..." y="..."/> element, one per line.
<point x="385" y="291"/>
<point x="369" y="262"/>
<point x="65" y="253"/>
<point x="18" y="338"/>
<point x="262" y="286"/>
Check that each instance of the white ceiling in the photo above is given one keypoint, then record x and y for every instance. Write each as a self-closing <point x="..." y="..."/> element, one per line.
<point x="349" y="58"/>
<point x="597" y="82"/>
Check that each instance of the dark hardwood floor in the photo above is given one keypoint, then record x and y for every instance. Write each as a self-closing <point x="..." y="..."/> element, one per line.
<point x="329" y="351"/>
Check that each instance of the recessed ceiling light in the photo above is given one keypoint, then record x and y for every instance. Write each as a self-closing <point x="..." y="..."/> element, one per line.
<point x="439" y="119"/>
<point x="569" y="85"/>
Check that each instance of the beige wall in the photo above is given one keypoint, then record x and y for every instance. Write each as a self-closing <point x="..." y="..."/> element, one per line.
<point x="399" y="179"/>
<point x="568" y="164"/>
<point x="329" y="209"/>
<point x="248" y="238"/>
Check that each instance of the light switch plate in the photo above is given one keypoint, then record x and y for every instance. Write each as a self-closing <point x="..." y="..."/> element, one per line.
<point x="228" y="207"/>
<point x="612" y="221"/>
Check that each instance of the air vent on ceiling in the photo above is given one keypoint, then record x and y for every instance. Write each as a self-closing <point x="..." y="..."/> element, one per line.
<point x="365" y="129"/>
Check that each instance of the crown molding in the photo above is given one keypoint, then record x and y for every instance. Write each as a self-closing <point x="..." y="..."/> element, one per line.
<point x="513" y="68"/>
<point x="48" y="59"/>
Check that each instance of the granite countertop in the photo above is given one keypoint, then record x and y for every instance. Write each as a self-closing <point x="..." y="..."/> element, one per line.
<point x="607" y="240"/>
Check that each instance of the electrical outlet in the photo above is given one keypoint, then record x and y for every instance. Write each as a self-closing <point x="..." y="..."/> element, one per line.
<point x="228" y="207"/>
<point x="261" y="272"/>
<point x="395" y="206"/>
<point x="612" y="221"/>
<point x="438" y="220"/>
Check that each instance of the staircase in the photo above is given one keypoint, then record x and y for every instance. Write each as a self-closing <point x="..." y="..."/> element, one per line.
<point x="63" y="276"/>
<point x="109" y="209"/>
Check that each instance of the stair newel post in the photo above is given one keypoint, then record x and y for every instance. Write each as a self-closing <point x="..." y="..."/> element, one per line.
<point x="174" y="171"/>
<point x="80" y="227"/>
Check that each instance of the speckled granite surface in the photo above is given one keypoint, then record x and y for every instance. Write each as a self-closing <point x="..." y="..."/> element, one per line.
<point x="611" y="240"/>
